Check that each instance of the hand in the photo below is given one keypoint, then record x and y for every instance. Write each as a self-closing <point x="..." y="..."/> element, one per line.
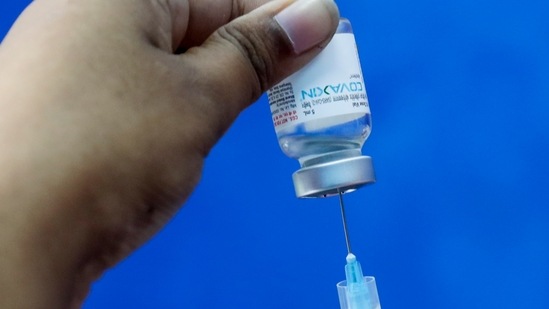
<point x="108" y="109"/>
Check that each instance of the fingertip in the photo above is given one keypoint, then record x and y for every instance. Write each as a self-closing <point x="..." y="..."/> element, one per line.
<point x="308" y="23"/>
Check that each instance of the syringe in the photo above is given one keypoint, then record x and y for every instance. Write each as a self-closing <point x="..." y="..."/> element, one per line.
<point x="357" y="294"/>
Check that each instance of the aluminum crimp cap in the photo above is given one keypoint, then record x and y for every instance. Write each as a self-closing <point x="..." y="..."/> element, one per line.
<point x="325" y="179"/>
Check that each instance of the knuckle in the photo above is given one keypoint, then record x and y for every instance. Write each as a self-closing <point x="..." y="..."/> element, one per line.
<point x="256" y="49"/>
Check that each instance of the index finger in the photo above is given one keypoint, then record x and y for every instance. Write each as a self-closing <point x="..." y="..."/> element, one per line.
<point x="206" y="16"/>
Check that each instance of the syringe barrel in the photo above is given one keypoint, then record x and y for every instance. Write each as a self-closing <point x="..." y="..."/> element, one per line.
<point x="372" y="298"/>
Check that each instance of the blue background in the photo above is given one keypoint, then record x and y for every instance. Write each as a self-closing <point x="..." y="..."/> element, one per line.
<point x="459" y="218"/>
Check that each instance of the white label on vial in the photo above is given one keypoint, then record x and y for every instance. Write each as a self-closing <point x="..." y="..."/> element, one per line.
<point x="330" y="85"/>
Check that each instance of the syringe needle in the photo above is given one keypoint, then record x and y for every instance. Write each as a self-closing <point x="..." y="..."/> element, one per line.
<point x="342" y="207"/>
<point x="356" y="293"/>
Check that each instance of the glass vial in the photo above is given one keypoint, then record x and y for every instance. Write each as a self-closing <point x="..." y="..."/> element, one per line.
<point x="322" y="117"/>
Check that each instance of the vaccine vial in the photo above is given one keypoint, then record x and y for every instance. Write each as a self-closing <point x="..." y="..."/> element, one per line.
<point x="322" y="118"/>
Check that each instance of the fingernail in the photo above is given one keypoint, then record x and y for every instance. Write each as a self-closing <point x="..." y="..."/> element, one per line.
<point x="307" y="23"/>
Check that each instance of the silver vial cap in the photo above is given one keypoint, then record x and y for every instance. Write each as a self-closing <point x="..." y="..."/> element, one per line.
<point x="325" y="179"/>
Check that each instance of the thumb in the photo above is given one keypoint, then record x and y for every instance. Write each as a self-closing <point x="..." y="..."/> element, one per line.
<point x="253" y="52"/>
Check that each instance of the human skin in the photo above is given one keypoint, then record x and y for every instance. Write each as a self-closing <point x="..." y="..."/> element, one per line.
<point x="108" y="109"/>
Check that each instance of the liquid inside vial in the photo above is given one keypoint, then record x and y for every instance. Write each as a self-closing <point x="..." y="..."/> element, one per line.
<point x="319" y="137"/>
